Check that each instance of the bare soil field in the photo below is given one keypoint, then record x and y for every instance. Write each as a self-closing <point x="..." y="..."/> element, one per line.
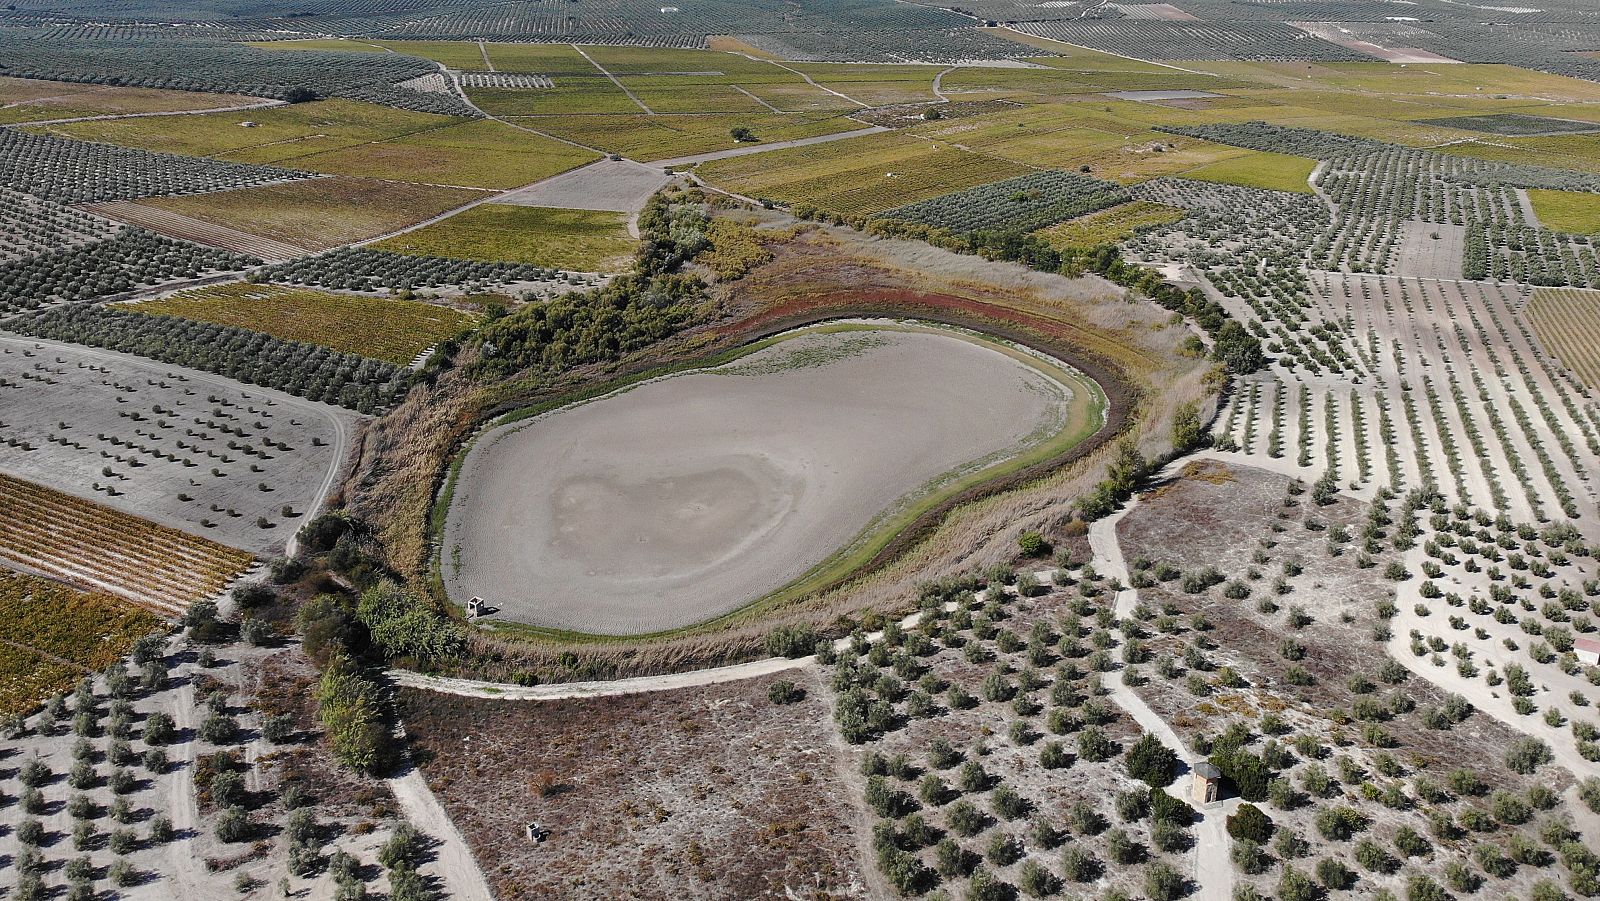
<point x="188" y="228"/>
<point x="685" y="498"/>
<point x="712" y="793"/>
<point x="182" y="448"/>
<point x="621" y="186"/>
<point x="1422" y="255"/>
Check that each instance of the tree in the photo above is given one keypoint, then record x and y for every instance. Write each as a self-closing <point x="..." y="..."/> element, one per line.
<point x="742" y="134"/>
<point x="1149" y="761"/>
<point x="352" y="711"/>
<point x="792" y="641"/>
<point x="1187" y="431"/>
<point x="1250" y="823"/>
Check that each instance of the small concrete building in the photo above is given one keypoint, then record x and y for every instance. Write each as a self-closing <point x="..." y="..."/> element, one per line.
<point x="1588" y="651"/>
<point x="1207" y="785"/>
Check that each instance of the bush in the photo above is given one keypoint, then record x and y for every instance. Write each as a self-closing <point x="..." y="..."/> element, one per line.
<point x="1032" y="544"/>
<point x="1151" y="762"/>
<point x="351" y="707"/>
<point x="1527" y="754"/>
<point x="1250" y="823"/>
<point x="1163" y="883"/>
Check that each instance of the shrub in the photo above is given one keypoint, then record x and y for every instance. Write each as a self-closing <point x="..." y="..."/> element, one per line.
<point x="792" y="641"/>
<point x="1149" y="761"/>
<point x="784" y="692"/>
<point x="1250" y="823"/>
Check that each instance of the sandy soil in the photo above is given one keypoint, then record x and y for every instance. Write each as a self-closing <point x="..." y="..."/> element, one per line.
<point x="688" y="497"/>
<point x="619" y="185"/>
<point x="1420" y="255"/>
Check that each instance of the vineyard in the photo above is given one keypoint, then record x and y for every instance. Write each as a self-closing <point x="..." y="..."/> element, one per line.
<point x="579" y="240"/>
<point x="391" y="330"/>
<point x="307" y="370"/>
<point x="69" y="171"/>
<point x="87" y="544"/>
<point x="1112" y="226"/>
<point x="51" y="635"/>
<point x="1567" y="322"/>
<point x="1024" y="203"/>
<point x="945" y="46"/>
<point x="132" y="258"/>
<point x="863" y="176"/>
<point x="360" y="269"/>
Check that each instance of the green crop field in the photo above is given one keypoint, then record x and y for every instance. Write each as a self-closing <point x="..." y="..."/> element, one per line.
<point x="575" y="240"/>
<point x="280" y="134"/>
<point x="649" y="138"/>
<point x="1257" y="169"/>
<point x="1110" y="226"/>
<point x="381" y="328"/>
<point x="1567" y="211"/>
<point x="860" y="175"/>
<point x="320" y="213"/>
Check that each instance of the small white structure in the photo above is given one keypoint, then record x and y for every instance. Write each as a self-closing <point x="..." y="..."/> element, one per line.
<point x="247" y="124"/>
<point x="537" y="833"/>
<point x="1588" y="651"/>
<point x="475" y="607"/>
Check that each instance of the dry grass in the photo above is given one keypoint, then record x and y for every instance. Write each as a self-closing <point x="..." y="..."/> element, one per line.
<point x="707" y="793"/>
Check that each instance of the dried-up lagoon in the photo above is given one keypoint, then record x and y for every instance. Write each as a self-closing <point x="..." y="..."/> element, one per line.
<point x="681" y="499"/>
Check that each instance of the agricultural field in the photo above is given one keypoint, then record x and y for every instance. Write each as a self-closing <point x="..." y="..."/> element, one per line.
<point x="323" y="213"/>
<point x="30" y="100"/>
<point x="1565" y="319"/>
<point x="1566" y="211"/>
<point x="237" y="464"/>
<point x="857" y="450"/>
<point x="861" y="176"/>
<point x="53" y="634"/>
<point x="1113" y="225"/>
<point x="1269" y="171"/>
<point x="576" y="240"/>
<point x="395" y="331"/>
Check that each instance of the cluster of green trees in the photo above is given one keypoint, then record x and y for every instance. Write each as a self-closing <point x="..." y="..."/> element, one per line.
<point x="308" y="370"/>
<point x="364" y="269"/>
<point x="130" y="259"/>
<point x="70" y="171"/>
<point x="630" y="313"/>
